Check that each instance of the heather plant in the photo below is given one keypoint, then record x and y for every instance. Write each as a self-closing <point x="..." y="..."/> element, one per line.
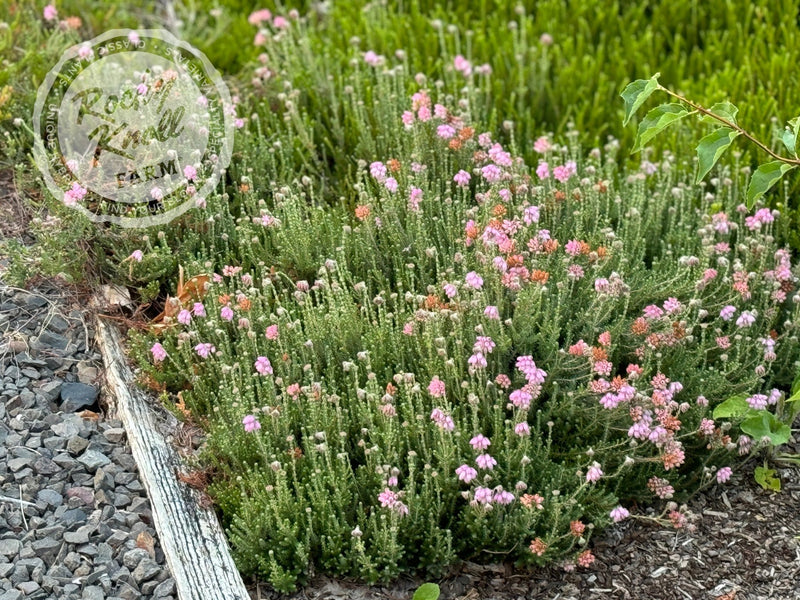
<point x="418" y="329"/>
<point x="467" y="356"/>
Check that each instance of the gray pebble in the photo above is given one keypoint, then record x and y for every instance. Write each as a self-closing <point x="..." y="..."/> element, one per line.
<point x="10" y="548"/>
<point x="77" y="396"/>
<point x="93" y="459"/>
<point x="146" y="570"/>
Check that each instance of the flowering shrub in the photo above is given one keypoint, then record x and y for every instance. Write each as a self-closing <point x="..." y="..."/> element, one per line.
<point x="468" y="356"/>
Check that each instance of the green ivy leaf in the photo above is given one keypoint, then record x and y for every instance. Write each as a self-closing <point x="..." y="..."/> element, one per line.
<point x="789" y="136"/>
<point x="635" y="93"/>
<point x="764" y="178"/>
<point x="656" y="121"/>
<point x="735" y="406"/>
<point x="766" y="479"/>
<point x="427" y="591"/>
<point x="766" y="425"/>
<point x="712" y="147"/>
<point x="725" y="109"/>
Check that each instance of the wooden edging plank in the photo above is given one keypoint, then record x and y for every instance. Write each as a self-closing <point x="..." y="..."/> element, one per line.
<point x="195" y="547"/>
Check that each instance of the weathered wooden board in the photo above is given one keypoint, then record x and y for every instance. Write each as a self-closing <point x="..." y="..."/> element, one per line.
<point x="191" y="537"/>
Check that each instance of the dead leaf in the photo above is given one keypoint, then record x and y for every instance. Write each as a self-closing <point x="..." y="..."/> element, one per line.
<point x="191" y="291"/>
<point x="89" y="415"/>
<point x="145" y="541"/>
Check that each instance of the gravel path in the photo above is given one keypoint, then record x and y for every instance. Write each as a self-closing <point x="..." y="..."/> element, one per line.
<point x="83" y="528"/>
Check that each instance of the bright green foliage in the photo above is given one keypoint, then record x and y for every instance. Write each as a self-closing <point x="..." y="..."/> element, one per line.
<point x="427" y="591"/>
<point x="766" y="479"/>
<point x="711" y="148"/>
<point x="766" y="176"/>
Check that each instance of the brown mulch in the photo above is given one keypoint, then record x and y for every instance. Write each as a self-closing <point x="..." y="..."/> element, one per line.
<point x="746" y="546"/>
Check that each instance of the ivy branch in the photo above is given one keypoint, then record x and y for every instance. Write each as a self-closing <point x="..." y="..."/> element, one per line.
<point x="711" y="148"/>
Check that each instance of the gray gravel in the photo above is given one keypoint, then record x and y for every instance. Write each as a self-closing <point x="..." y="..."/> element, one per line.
<point x="72" y="507"/>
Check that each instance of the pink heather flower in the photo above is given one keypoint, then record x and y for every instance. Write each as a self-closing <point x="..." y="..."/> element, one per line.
<point x="190" y="172"/>
<point x="575" y="272"/>
<point x="724" y="474"/>
<point x="159" y="353"/>
<point x="603" y="367"/>
<point x="774" y="396"/>
<point x="378" y="171"/>
<point x="414" y="196"/>
<point x="723" y="342"/>
<point x="436" y="388"/>
<point x="503" y="381"/>
<point x="531" y="215"/>
<point x="745" y="319"/>
<point x="408" y="328"/>
<point x="573" y="247"/>
<point x="281" y="23"/>
<point x="477" y="361"/>
<point x="474" y="280"/>
<point x="251" y="424"/>
<point x="263" y="366"/>
<point x="757" y="401"/>
<point x="184" y="317"/>
<point x="483" y="495"/>
<point x="585" y="558"/>
<point x="604" y="338"/>
<point x="408" y="118"/>
<point x="594" y="473"/>
<point x="542" y="144"/>
<point x="727" y="313"/>
<point x="141" y="89"/>
<point x="445" y="131"/>
<point x="672" y="305"/>
<point x="521" y="398"/>
<point x="502" y="496"/>
<point x="199" y="310"/>
<point x="388" y="410"/>
<point x="462" y="64"/>
<point x="485" y="140"/>
<point x="483" y="344"/>
<point x="462" y="178"/>
<point x="75" y="193"/>
<point x="226" y="313"/>
<point x="619" y="514"/>
<point x="442" y="419"/>
<point x="543" y="171"/>
<point x="424" y="114"/>
<point x="528" y="368"/>
<point x="272" y="332"/>
<point x="652" y="312"/>
<point x="204" y="350"/>
<point x="492" y="313"/>
<point x="485" y="461"/>
<point x="293" y="390"/>
<point x="391" y="184"/>
<point x="450" y="290"/>
<point x="562" y="173"/>
<point x="466" y="473"/>
<point x="522" y="429"/>
<point x="259" y="16"/>
<point x="492" y="173"/>
<point x="707" y="426"/>
<point x="480" y="442"/>
<point x="439" y="111"/>
<point x="85" y="51"/>
<point x="50" y="13"/>
<point x="702" y="401"/>
<point x="388" y="498"/>
<point x="136" y="255"/>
